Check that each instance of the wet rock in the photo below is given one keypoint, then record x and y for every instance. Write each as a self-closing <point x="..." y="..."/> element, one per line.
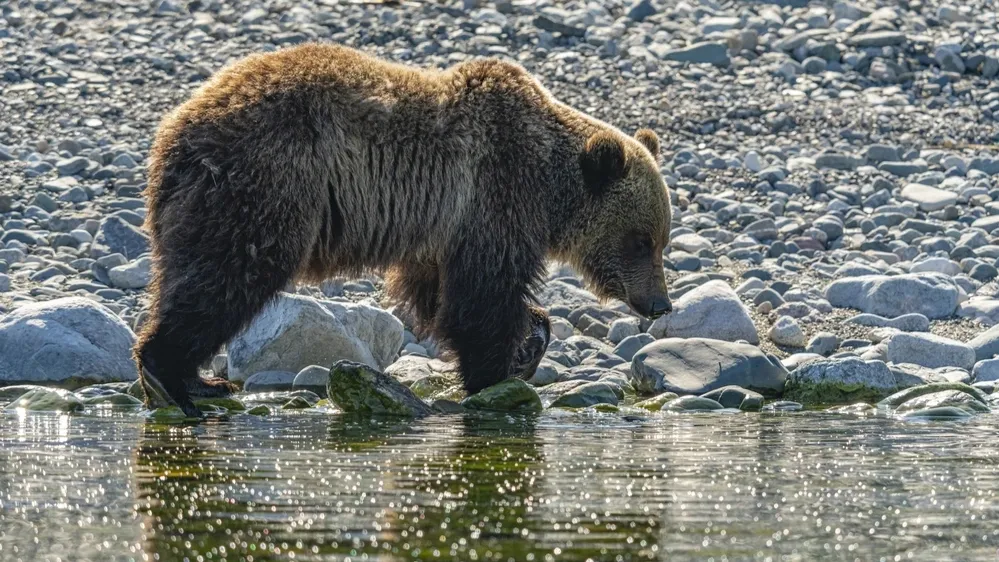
<point x="692" y="404"/>
<point x="115" y="400"/>
<point x="736" y="397"/>
<point x="655" y="403"/>
<point x="903" y="396"/>
<point x="944" y="413"/>
<point x="47" y="400"/>
<point x="588" y="394"/>
<point x="313" y="378"/>
<point x="954" y="398"/>
<point x="356" y="388"/>
<point x="511" y="395"/>
<point x="712" y="310"/>
<point x="68" y="342"/>
<point x="295" y="331"/>
<point x="699" y="365"/>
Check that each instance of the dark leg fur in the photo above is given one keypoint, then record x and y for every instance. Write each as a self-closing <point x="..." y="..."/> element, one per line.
<point x="416" y="286"/>
<point x="484" y="314"/>
<point x="222" y="252"/>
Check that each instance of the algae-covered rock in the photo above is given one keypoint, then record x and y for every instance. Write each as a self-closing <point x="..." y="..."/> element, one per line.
<point x="358" y="389"/>
<point x="445" y="406"/>
<point x="845" y="380"/>
<point x="589" y="394"/>
<point x="655" y="403"/>
<point x="259" y="410"/>
<point x="955" y="398"/>
<point x="113" y="400"/>
<point x="168" y="414"/>
<point x="736" y="397"/>
<point x="899" y="398"/>
<point x="511" y="395"/>
<point x="47" y="400"/>
<point x="692" y="404"/>
<point x="944" y="413"/>
<point x="230" y="404"/>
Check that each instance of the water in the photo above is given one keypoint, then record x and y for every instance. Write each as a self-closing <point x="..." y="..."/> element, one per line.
<point x="311" y="486"/>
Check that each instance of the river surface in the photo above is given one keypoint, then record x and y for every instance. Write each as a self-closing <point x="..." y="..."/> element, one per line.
<point x="560" y="486"/>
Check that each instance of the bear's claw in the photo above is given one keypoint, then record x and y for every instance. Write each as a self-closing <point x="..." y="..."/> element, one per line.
<point x="532" y="350"/>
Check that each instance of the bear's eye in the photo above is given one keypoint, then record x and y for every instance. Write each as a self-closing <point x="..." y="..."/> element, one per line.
<point x="639" y="245"/>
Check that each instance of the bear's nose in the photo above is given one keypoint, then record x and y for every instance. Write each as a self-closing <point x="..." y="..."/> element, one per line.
<point x="659" y="307"/>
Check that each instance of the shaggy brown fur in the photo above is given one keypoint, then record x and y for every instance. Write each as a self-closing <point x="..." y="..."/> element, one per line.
<point x="320" y="160"/>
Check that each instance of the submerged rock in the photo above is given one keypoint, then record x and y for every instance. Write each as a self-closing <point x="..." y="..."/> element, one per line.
<point x="358" y="389"/>
<point x="47" y="400"/>
<point x="511" y="395"/>
<point x="655" y="403"/>
<point x="589" y="394"/>
<point x="943" y="413"/>
<point x="736" y="397"/>
<point x="692" y="404"/>
<point x="914" y="392"/>
<point x="955" y="398"/>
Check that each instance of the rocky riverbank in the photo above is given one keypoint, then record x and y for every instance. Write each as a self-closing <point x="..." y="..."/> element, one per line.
<point x="832" y="166"/>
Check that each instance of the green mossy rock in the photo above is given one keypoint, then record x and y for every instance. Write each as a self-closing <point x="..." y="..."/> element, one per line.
<point x="358" y="389"/>
<point x="168" y="414"/>
<point x="899" y="398"/>
<point x="259" y="410"/>
<point x="230" y="404"/>
<point x="655" y="403"/>
<point x="511" y="395"/>
<point x="943" y="414"/>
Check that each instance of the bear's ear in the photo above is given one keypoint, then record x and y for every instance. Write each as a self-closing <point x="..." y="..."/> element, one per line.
<point x="650" y="140"/>
<point x="603" y="161"/>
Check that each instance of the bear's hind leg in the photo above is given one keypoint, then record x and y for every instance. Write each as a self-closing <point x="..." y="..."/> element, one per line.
<point x="219" y="260"/>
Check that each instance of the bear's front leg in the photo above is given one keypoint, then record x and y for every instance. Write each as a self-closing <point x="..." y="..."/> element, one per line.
<point x="483" y="316"/>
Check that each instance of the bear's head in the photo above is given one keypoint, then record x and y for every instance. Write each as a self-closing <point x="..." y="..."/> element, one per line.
<point x="620" y="249"/>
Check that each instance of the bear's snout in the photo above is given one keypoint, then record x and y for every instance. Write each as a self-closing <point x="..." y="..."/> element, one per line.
<point x="654" y="307"/>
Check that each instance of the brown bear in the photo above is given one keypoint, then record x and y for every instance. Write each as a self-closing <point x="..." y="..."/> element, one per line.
<point x="320" y="160"/>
